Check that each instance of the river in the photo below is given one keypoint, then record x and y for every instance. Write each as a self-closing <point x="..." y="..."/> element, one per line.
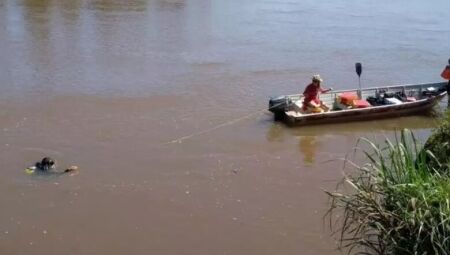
<point x="161" y="105"/>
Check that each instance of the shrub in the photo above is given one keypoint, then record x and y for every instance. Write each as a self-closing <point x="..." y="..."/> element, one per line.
<point x="397" y="204"/>
<point x="439" y="143"/>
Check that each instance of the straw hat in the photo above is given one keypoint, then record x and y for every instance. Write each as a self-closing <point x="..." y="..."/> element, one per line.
<point x="316" y="77"/>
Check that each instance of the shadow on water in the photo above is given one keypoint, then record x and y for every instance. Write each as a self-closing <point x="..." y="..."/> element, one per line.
<point x="277" y="130"/>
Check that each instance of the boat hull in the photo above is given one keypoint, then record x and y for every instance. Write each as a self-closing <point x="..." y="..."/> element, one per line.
<point x="371" y="113"/>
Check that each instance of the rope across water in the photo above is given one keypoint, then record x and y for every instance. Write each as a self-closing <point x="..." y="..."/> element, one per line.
<point x="228" y="123"/>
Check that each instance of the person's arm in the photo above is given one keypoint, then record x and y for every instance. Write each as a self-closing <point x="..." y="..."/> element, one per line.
<point x="325" y="90"/>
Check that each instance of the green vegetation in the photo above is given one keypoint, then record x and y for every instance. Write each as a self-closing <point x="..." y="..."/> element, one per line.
<point x="439" y="143"/>
<point x="399" y="202"/>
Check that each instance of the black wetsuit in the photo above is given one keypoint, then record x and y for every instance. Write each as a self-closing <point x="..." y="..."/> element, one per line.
<point x="448" y="92"/>
<point x="448" y="86"/>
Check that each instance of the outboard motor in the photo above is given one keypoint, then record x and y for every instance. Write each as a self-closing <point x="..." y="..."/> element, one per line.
<point x="278" y="104"/>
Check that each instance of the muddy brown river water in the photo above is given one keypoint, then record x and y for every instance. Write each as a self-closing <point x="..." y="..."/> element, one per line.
<point x="108" y="84"/>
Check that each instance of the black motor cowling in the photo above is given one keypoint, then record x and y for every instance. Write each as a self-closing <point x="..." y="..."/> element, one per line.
<point x="278" y="104"/>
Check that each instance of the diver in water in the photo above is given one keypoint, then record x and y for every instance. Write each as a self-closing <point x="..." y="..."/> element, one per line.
<point x="47" y="166"/>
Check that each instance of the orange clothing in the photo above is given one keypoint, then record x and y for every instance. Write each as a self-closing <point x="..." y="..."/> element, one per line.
<point x="446" y="73"/>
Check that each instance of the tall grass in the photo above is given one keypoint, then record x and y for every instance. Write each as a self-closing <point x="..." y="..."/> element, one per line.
<point x="439" y="142"/>
<point x="394" y="204"/>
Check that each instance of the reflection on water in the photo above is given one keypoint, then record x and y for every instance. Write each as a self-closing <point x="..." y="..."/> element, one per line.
<point x="275" y="133"/>
<point x="118" y="5"/>
<point x="364" y="127"/>
<point x="312" y="140"/>
<point x="171" y="4"/>
<point x="308" y="146"/>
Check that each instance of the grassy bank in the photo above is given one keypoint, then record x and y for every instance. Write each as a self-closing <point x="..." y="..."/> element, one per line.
<point x="399" y="202"/>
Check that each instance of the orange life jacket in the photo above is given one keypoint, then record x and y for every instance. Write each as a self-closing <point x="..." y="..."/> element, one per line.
<point x="446" y="73"/>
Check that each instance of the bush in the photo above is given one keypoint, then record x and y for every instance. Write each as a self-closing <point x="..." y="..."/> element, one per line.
<point x="439" y="143"/>
<point x="398" y="204"/>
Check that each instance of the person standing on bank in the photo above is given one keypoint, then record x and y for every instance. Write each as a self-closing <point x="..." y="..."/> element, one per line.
<point x="312" y="103"/>
<point x="446" y="75"/>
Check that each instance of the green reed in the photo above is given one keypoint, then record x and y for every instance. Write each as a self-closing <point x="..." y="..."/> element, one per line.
<point x="395" y="204"/>
<point x="439" y="142"/>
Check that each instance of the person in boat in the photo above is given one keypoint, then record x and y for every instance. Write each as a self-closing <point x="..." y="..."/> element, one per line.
<point x="446" y="75"/>
<point x="312" y="103"/>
